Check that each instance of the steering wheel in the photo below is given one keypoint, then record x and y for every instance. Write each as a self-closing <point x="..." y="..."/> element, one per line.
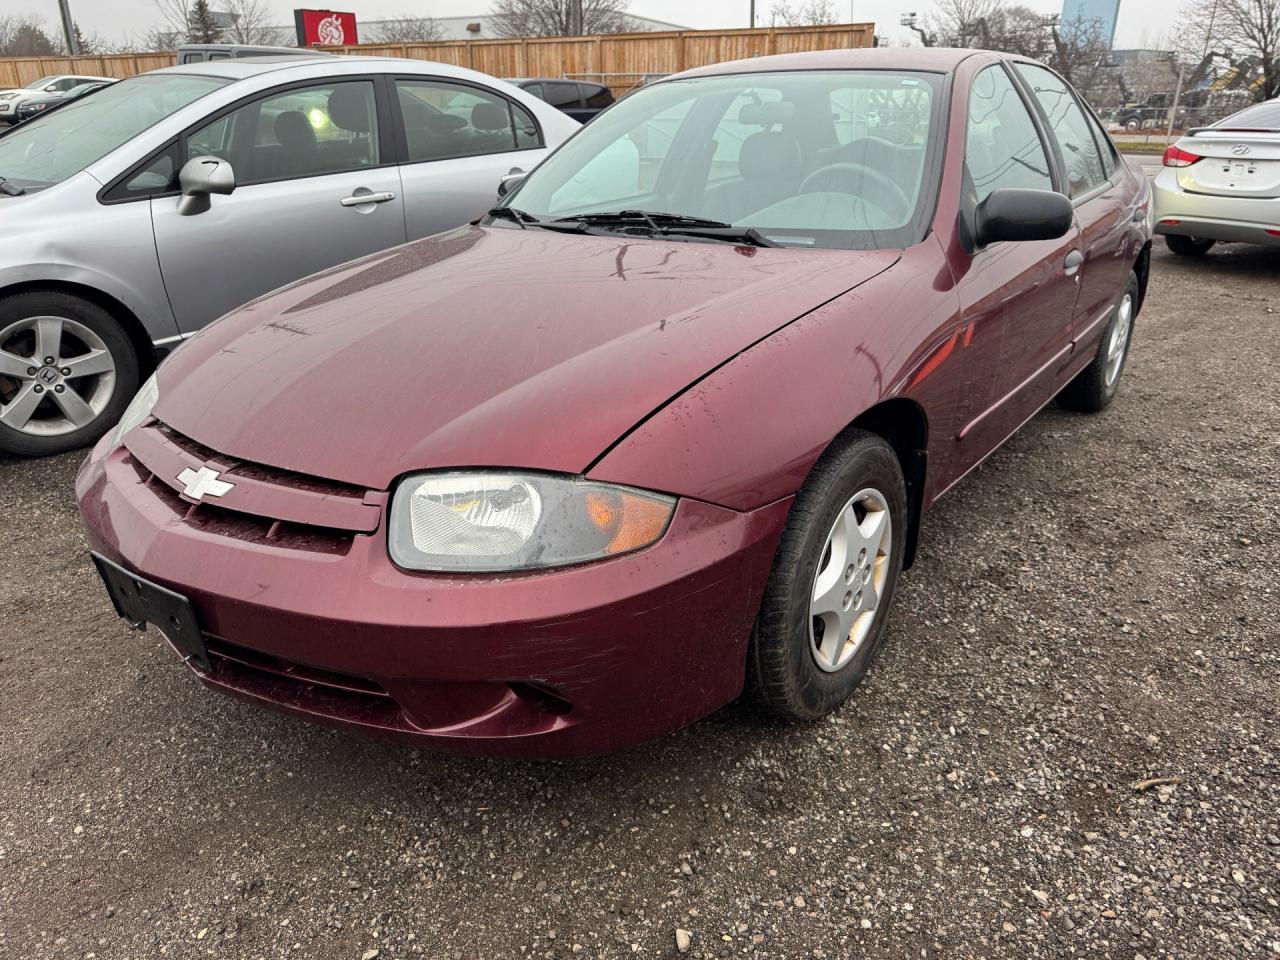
<point x="835" y="177"/>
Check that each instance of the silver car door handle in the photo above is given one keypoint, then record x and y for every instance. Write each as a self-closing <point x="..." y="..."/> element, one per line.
<point x="1073" y="261"/>
<point x="360" y="199"/>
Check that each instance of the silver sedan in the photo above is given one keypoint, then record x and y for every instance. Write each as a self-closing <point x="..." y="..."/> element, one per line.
<point x="1222" y="183"/>
<point x="134" y="218"/>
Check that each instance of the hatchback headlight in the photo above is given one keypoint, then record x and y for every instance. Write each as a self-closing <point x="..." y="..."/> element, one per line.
<point x="485" y="522"/>
<point x="139" y="409"/>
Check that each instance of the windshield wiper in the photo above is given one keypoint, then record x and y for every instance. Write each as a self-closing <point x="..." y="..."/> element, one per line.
<point x="10" y="189"/>
<point x="674" y="224"/>
<point x="511" y="213"/>
<point x="650" y="218"/>
<point x="527" y="220"/>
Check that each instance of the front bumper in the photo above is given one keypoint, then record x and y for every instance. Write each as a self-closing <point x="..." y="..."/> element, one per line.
<point x="1229" y="219"/>
<point x="560" y="663"/>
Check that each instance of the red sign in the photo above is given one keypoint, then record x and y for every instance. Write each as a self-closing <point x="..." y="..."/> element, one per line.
<point x="327" y="28"/>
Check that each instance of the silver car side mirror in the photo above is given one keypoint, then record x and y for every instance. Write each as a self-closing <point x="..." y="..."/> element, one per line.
<point x="509" y="182"/>
<point x="199" y="179"/>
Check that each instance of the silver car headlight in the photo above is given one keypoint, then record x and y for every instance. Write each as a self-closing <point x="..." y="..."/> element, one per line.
<point x="483" y="522"/>
<point x="139" y="409"/>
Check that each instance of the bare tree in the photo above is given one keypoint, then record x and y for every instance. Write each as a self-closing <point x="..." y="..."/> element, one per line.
<point x="406" y="29"/>
<point x="560" y="18"/>
<point x="804" y="14"/>
<point x="250" y="22"/>
<point x="25" y="36"/>
<point x="959" y="23"/>
<point x="1250" y="29"/>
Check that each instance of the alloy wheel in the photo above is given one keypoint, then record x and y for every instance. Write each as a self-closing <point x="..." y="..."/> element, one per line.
<point x="1118" y="341"/>
<point x="850" y="580"/>
<point x="56" y="376"/>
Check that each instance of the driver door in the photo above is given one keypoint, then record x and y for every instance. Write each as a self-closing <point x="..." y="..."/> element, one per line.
<point x="1018" y="297"/>
<point x="314" y="188"/>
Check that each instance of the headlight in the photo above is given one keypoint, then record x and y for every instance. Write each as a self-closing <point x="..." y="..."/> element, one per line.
<point x="494" y="522"/>
<point x="139" y="409"/>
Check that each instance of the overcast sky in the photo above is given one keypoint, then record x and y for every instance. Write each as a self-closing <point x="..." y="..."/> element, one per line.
<point x="1142" y="22"/>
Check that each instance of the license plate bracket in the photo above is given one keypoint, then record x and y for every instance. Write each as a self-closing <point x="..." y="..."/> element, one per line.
<point x="139" y="601"/>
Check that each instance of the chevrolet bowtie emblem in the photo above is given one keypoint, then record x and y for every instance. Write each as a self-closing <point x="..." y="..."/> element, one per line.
<point x="199" y="483"/>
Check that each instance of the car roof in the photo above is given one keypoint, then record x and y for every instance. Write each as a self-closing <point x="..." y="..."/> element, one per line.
<point x="243" y="68"/>
<point x="928" y="59"/>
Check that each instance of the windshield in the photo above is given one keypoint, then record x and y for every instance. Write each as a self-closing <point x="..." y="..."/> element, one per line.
<point x="37" y="84"/>
<point x="836" y="159"/>
<point x="47" y="149"/>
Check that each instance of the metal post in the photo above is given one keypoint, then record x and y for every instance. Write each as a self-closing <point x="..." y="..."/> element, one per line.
<point x="69" y="28"/>
<point x="753" y="14"/>
<point x="1177" y="96"/>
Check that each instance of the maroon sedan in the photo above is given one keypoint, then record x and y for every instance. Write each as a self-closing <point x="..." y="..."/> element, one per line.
<point x="660" y="428"/>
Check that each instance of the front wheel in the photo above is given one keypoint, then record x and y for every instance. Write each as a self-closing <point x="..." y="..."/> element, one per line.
<point x="827" y="600"/>
<point x="67" y="371"/>
<point x="1095" y="386"/>
<point x="1188" y="246"/>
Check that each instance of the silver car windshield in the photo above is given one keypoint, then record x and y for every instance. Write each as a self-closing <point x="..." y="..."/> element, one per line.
<point x="833" y="159"/>
<point x="48" y="149"/>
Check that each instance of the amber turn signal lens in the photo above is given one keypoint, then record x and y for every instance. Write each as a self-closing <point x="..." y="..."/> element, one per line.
<point x="634" y="521"/>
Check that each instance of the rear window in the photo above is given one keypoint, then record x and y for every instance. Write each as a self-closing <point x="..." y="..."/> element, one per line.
<point x="1265" y="116"/>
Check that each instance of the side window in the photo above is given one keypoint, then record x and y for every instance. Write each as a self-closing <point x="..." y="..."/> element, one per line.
<point x="1002" y="147"/>
<point x="443" y="121"/>
<point x="192" y="58"/>
<point x="597" y="98"/>
<point x="535" y="89"/>
<point x="65" y="84"/>
<point x="152" y="178"/>
<point x="528" y="136"/>
<point x="306" y="132"/>
<point x="561" y="95"/>
<point x="1105" y="146"/>
<point x="1085" y="170"/>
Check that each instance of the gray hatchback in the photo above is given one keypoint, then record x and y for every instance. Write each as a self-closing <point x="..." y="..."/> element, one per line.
<point x="136" y="217"/>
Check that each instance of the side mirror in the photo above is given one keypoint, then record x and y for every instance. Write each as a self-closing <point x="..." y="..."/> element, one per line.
<point x="200" y="178"/>
<point x="1015" y="214"/>
<point x="510" y="182"/>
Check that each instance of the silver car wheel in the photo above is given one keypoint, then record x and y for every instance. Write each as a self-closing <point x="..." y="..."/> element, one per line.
<point x="850" y="580"/>
<point x="64" y="375"/>
<point x="1118" y="342"/>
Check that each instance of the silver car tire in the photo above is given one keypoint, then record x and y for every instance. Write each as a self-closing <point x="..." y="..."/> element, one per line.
<point x="1096" y="385"/>
<point x="67" y="371"/>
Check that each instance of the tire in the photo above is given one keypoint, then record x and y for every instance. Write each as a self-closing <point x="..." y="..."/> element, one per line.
<point x="791" y="673"/>
<point x="1188" y="246"/>
<point x="52" y="408"/>
<point x="1096" y="385"/>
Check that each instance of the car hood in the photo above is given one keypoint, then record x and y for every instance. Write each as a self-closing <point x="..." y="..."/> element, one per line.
<point x="484" y="347"/>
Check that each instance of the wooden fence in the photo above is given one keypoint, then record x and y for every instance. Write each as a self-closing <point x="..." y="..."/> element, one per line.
<point x="618" y="54"/>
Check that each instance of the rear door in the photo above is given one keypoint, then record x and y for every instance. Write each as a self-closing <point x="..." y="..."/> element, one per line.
<point x="1102" y="196"/>
<point x="1018" y="297"/>
<point x="315" y="187"/>
<point x="458" y="140"/>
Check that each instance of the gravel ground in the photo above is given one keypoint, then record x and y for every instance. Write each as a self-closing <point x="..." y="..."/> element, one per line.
<point x="1095" y="607"/>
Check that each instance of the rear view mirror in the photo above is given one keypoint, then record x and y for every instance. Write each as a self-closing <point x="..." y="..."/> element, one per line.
<point x="509" y="183"/>
<point x="1015" y="214"/>
<point x="200" y="178"/>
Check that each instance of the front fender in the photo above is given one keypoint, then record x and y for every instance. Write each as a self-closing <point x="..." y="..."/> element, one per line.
<point x="749" y="433"/>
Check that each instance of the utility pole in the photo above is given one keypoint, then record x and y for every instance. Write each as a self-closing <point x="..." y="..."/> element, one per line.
<point x="753" y="14"/>
<point x="575" y="18"/>
<point x="69" y="28"/>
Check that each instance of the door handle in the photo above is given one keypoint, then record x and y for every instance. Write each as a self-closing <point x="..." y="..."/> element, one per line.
<point x="1072" y="263"/>
<point x="360" y="199"/>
